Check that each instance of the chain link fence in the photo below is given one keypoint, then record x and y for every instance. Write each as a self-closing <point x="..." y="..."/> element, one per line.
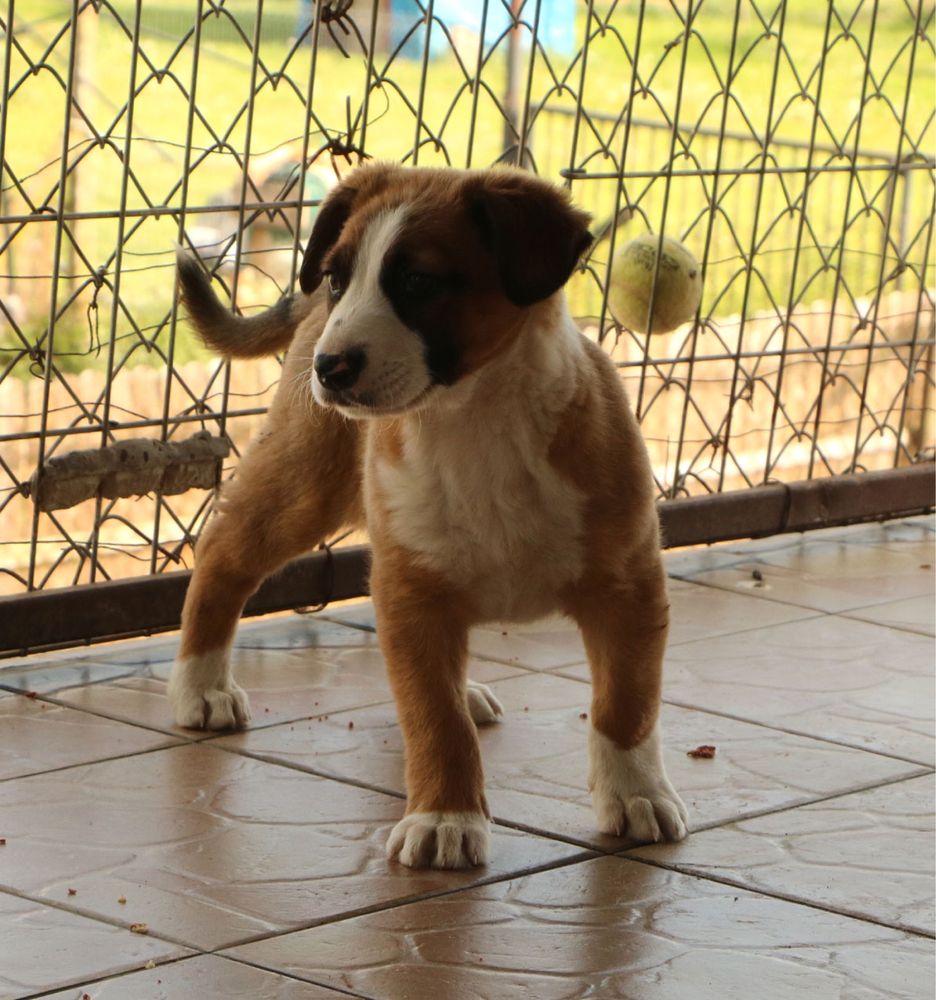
<point x="789" y="144"/>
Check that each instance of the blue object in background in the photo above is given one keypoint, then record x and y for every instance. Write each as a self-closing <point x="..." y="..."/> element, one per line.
<point x="556" y="25"/>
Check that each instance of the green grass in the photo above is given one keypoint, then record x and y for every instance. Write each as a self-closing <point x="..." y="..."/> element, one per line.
<point x="739" y="231"/>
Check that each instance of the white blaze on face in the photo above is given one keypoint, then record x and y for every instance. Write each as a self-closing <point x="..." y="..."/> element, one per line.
<point x="395" y="373"/>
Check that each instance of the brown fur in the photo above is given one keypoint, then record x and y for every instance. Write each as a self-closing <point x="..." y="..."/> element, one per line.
<point x="276" y="507"/>
<point x="600" y="450"/>
<point x="303" y="479"/>
<point x="427" y="659"/>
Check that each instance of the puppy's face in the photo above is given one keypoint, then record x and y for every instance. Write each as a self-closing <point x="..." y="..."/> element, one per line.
<point x="429" y="275"/>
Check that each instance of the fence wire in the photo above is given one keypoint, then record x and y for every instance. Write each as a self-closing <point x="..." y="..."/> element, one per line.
<point x="789" y="144"/>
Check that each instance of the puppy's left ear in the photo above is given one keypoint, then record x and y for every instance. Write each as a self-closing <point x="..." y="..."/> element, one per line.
<point x="531" y="228"/>
<point x="329" y="222"/>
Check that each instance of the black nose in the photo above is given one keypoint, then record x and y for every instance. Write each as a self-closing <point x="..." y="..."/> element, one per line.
<point x="340" y="371"/>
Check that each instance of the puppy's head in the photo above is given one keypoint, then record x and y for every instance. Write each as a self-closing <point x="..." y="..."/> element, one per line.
<point x="430" y="274"/>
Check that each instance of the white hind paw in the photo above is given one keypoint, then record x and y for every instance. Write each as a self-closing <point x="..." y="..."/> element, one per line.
<point x="483" y="704"/>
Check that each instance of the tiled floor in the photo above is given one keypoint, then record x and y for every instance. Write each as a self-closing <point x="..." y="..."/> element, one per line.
<point x="255" y="860"/>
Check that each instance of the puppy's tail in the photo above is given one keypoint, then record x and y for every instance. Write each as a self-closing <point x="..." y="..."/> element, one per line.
<point x="236" y="336"/>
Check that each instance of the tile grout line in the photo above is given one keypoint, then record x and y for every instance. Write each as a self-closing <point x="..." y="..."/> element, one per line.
<point x="80" y="985"/>
<point x="160" y="964"/>
<point x="92" y="763"/>
<point x="303" y="768"/>
<point x="339" y="990"/>
<point x="708" y="876"/>
<point x="808" y="799"/>
<point x="922" y="772"/>
<point x="818" y="612"/>
<point x="794" y="732"/>
<point x="421" y="897"/>
<point x="831" y="796"/>
<point x="763" y="725"/>
<point x="907" y="629"/>
<point x="212" y="741"/>
<point x="582" y="856"/>
<point x="101" y="918"/>
<point x="182" y="735"/>
<point x="755" y="628"/>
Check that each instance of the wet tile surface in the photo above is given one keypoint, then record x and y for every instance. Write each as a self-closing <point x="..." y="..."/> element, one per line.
<point x="697" y="612"/>
<point x="535" y="759"/>
<point x="206" y="977"/>
<point x="606" y="928"/>
<point x="809" y="872"/>
<point x="209" y="847"/>
<point x="43" y="948"/>
<point x="912" y="536"/>
<point x="830" y="575"/>
<point x="869" y="854"/>
<point x="38" y="736"/>
<point x="915" y="614"/>
<point x="51" y="676"/>
<point x="830" y="677"/>
<point x="283" y="684"/>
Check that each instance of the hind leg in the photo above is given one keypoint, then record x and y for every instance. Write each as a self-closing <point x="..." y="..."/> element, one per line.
<point x="624" y="625"/>
<point x="294" y="487"/>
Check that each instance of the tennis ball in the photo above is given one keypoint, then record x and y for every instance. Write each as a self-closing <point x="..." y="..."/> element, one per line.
<point x="678" y="284"/>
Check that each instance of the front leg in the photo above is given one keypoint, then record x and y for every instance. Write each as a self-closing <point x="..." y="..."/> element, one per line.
<point x="423" y="632"/>
<point x="624" y="626"/>
<point x="268" y="515"/>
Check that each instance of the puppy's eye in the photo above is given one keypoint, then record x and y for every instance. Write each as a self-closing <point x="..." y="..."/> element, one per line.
<point x="419" y="285"/>
<point x="335" y="287"/>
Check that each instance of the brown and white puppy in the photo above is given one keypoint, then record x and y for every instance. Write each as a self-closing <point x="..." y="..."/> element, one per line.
<point x="437" y="389"/>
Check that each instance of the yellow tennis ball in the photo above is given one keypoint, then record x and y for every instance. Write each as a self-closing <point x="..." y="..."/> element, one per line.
<point x="678" y="284"/>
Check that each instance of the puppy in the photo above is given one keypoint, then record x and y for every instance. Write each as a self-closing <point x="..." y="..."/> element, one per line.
<point x="437" y="390"/>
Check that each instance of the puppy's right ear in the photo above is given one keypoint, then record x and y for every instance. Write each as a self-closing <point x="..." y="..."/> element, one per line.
<point x="329" y="222"/>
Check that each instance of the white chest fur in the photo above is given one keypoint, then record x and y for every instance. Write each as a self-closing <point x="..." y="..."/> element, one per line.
<point x="475" y="497"/>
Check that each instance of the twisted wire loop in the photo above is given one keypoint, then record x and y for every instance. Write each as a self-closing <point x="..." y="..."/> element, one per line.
<point x="789" y="146"/>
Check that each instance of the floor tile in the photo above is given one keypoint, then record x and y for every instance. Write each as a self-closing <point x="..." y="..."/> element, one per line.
<point x="357" y="614"/>
<point x="286" y="632"/>
<point x="542" y="645"/>
<point x="915" y="536"/>
<point x="696" y="612"/>
<point x="51" y="676"/>
<point x="831" y="677"/>
<point x="699" y="612"/>
<point x="43" y="948"/>
<point x="138" y="700"/>
<point x="830" y="576"/>
<point x="283" y="685"/>
<point x="911" y="534"/>
<point x="915" y="614"/>
<point x="205" y="977"/>
<point x="36" y="736"/>
<point x="869" y="854"/>
<point x="535" y="759"/>
<point x="606" y="928"/>
<point x="208" y="847"/>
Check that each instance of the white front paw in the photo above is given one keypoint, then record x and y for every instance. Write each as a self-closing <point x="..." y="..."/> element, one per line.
<point x="631" y="793"/>
<point x="440" y="840"/>
<point x="483" y="705"/>
<point x="203" y="696"/>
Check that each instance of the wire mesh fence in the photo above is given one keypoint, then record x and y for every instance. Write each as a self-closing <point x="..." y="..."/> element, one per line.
<point x="789" y="144"/>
